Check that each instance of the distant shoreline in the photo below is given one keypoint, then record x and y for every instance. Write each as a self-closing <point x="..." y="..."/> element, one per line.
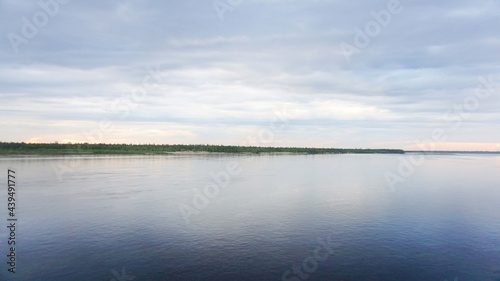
<point x="2" y="154"/>
<point x="55" y="149"/>
<point x="201" y="153"/>
<point x="451" y="152"/>
<point x="44" y="149"/>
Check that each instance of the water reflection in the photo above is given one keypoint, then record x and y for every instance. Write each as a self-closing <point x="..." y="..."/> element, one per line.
<point x="115" y="212"/>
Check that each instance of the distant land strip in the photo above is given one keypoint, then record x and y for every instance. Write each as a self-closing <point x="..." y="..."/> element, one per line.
<point x="21" y="148"/>
<point x="451" y="152"/>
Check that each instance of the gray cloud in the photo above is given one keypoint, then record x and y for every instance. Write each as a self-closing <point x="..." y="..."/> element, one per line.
<point x="222" y="81"/>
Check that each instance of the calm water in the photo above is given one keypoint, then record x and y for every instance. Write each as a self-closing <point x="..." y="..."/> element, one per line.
<point x="298" y="217"/>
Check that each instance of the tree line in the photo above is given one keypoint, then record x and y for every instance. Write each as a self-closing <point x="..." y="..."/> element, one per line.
<point x="104" y="148"/>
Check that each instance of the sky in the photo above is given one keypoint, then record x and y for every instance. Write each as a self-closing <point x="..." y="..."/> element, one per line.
<point x="350" y="74"/>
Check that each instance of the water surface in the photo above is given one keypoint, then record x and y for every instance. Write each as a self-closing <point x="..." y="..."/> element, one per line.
<point x="93" y="218"/>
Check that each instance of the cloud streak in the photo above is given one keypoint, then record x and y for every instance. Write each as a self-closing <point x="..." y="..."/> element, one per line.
<point x="222" y="80"/>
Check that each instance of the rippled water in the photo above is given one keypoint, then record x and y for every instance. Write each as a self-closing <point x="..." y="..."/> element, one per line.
<point x="296" y="217"/>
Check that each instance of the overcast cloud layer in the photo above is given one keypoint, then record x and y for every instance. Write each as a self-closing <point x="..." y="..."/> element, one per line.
<point x="282" y="73"/>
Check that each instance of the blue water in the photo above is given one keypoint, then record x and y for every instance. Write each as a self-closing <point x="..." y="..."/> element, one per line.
<point x="285" y="217"/>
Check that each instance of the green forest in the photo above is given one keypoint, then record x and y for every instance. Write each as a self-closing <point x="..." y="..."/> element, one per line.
<point x="14" y="148"/>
